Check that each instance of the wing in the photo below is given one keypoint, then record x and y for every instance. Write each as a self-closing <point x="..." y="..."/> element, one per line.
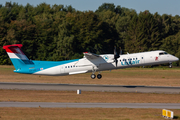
<point x="89" y="55"/>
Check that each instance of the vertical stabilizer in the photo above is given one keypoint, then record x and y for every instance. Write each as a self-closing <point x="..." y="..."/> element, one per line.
<point x="18" y="58"/>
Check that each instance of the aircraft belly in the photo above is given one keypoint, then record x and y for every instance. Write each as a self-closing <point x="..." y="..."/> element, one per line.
<point x="78" y="72"/>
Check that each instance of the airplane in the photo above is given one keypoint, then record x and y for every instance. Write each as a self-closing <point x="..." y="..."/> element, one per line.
<point x="89" y="63"/>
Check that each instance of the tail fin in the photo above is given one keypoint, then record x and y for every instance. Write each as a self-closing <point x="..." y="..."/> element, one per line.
<point x="18" y="58"/>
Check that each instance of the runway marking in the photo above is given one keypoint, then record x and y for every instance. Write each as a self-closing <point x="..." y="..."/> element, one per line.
<point x="91" y="105"/>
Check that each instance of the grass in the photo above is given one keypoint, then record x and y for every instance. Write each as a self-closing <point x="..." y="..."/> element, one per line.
<point x="130" y="76"/>
<point x="85" y="97"/>
<point x="83" y="114"/>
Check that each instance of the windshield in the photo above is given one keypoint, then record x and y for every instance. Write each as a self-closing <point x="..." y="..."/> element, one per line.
<point x="163" y="53"/>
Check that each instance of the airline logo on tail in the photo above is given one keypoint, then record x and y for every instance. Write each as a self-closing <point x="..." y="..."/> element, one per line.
<point x="14" y="51"/>
<point x="16" y="55"/>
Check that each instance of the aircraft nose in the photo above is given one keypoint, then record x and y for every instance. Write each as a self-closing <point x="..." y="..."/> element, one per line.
<point x="175" y="58"/>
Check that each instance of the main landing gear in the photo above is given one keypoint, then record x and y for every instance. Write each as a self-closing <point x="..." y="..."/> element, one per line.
<point x="93" y="76"/>
<point x="99" y="76"/>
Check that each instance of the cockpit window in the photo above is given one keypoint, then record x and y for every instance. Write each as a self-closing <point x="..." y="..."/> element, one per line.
<point x="163" y="53"/>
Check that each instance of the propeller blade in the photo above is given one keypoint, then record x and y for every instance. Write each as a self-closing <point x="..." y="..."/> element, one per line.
<point x="120" y="52"/>
<point x="115" y="51"/>
<point x="116" y="55"/>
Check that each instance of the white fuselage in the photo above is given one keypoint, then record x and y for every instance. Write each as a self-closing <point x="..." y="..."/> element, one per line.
<point x="107" y="62"/>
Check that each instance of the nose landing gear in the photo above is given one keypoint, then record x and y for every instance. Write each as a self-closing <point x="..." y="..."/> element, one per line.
<point x="170" y="65"/>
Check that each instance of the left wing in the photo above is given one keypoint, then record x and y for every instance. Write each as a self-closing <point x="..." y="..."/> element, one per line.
<point x="90" y="56"/>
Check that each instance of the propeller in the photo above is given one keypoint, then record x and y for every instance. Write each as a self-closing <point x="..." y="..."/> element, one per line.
<point x="116" y="55"/>
<point x="120" y="51"/>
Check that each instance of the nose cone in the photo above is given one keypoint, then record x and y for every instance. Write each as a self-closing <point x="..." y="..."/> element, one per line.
<point x="174" y="59"/>
<point x="177" y="59"/>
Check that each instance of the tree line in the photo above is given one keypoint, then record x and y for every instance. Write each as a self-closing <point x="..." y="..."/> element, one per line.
<point x="61" y="32"/>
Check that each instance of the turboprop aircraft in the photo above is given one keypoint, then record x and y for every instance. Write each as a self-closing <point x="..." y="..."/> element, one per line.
<point x="89" y="63"/>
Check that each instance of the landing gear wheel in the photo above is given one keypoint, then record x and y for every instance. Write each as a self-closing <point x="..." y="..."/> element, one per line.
<point x="99" y="76"/>
<point x="170" y="65"/>
<point x="93" y="76"/>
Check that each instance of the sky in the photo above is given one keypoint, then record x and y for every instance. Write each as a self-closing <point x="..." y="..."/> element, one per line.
<point x="171" y="7"/>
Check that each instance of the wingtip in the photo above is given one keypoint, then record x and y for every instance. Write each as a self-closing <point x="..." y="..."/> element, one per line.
<point x="85" y="52"/>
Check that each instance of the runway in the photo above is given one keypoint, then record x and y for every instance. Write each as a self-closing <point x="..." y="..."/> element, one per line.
<point x="84" y="87"/>
<point x="101" y="88"/>
<point x="90" y="105"/>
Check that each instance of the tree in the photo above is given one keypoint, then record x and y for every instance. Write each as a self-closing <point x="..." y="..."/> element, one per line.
<point x="143" y="33"/>
<point x="171" y="44"/>
<point x="64" y="42"/>
<point x="106" y="6"/>
<point x="60" y="33"/>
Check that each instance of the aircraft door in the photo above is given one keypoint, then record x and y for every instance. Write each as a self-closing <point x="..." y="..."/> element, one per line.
<point x="62" y="68"/>
<point x="142" y="59"/>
